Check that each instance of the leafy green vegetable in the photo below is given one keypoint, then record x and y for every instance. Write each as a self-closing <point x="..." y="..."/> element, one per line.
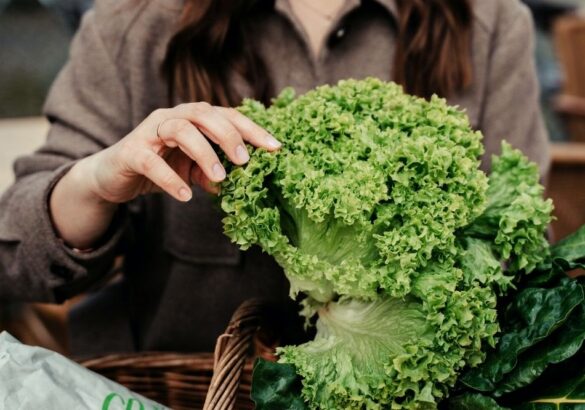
<point x="369" y="185"/>
<point x="539" y="363"/>
<point x="473" y="401"/>
<point x="516" y="217"/>
<point x="541" y="356"/>
<point x="565" y="255"/>
<point x="353" y="343"/>
<point x="532" y="316"/>
<point x="562" y="345"/>
<point x="376" y="209"/>
<point x="567" y="395"/>
<point x="479" y="264"/>
<point x="569" y="253"/>
<point x="276" y="386"/>
<point x="571" y="248"/>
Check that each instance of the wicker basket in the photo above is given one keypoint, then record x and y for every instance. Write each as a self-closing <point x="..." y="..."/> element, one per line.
<point x="206" y="381"/>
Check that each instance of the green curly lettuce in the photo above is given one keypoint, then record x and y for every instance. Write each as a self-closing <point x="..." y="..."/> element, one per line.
<point x="370" y="185"/>
<point x="369" y="207"/>
<point x="516" y="216"/>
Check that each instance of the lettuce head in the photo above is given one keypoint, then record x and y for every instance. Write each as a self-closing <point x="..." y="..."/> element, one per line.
<point x="377" y="211"/>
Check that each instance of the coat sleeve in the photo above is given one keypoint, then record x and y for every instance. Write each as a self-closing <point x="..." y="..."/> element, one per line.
<point x="88" y="108"/>
<point x="511" y="108"/>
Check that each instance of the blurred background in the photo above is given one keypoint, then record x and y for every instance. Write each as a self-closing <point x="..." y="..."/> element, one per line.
<point x="34" y="41"/>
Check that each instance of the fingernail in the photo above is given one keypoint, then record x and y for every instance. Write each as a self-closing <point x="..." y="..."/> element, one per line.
<point x="242" y="154"/>
<point x="273" y="142"/>
<point x="185" y="194"/>
<point x="218" y="171"/>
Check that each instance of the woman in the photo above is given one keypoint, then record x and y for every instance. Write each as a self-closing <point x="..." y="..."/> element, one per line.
<point x="93" y="191"/>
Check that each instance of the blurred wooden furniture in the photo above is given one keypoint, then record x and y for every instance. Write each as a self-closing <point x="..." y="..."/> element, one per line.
<point x="567" y="175"/>
<point x="569" y="38"/>
<point x="566" y="186"/>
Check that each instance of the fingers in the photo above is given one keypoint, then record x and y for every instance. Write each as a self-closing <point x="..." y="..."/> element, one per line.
<point x="227" y="128"/>
<point x="217" y="128"/>
<point x="183" y="134"/>
<point x="188" y="127"/>
<point x="155" y="168"/>
<point x="250" y="131"/>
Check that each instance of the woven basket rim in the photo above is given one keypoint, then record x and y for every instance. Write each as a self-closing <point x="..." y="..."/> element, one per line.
<point x="154" y="359"/>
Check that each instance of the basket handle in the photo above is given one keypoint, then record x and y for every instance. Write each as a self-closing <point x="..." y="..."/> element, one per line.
<point x="231" y="350"/>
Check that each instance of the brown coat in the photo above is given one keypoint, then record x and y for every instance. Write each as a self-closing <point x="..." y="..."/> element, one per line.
<point x="183" y="278"/>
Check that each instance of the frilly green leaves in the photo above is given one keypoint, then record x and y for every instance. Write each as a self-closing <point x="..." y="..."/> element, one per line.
<point x="379" y="214"/>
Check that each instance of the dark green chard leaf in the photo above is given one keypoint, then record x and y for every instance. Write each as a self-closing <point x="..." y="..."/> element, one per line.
<point x="563" y="344"/>
<point x="532" y="316"/>
<point x="276" y="386"/>
<point x="568" y="395"/>
<point x="473" y="401"/>
<point x="571" y="250"/>
<point x="566" y="255"/>
<point x="545" y="275"/>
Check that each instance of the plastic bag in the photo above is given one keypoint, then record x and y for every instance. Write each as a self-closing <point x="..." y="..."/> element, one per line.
<point x="34" y="378"/>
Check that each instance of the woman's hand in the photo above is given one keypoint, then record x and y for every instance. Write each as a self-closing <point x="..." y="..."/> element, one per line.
<point x="168" y="151"/>
<point x="171" y="149"/>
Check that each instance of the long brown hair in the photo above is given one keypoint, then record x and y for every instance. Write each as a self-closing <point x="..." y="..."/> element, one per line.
<point x="433" y="51"/>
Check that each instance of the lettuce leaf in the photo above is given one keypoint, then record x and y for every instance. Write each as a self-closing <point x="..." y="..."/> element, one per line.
<point x="349" y="363"/>
<point x="516" y="216"/>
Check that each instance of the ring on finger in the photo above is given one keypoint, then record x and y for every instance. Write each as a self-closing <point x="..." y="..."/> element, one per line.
<point x="158" y="128"/>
